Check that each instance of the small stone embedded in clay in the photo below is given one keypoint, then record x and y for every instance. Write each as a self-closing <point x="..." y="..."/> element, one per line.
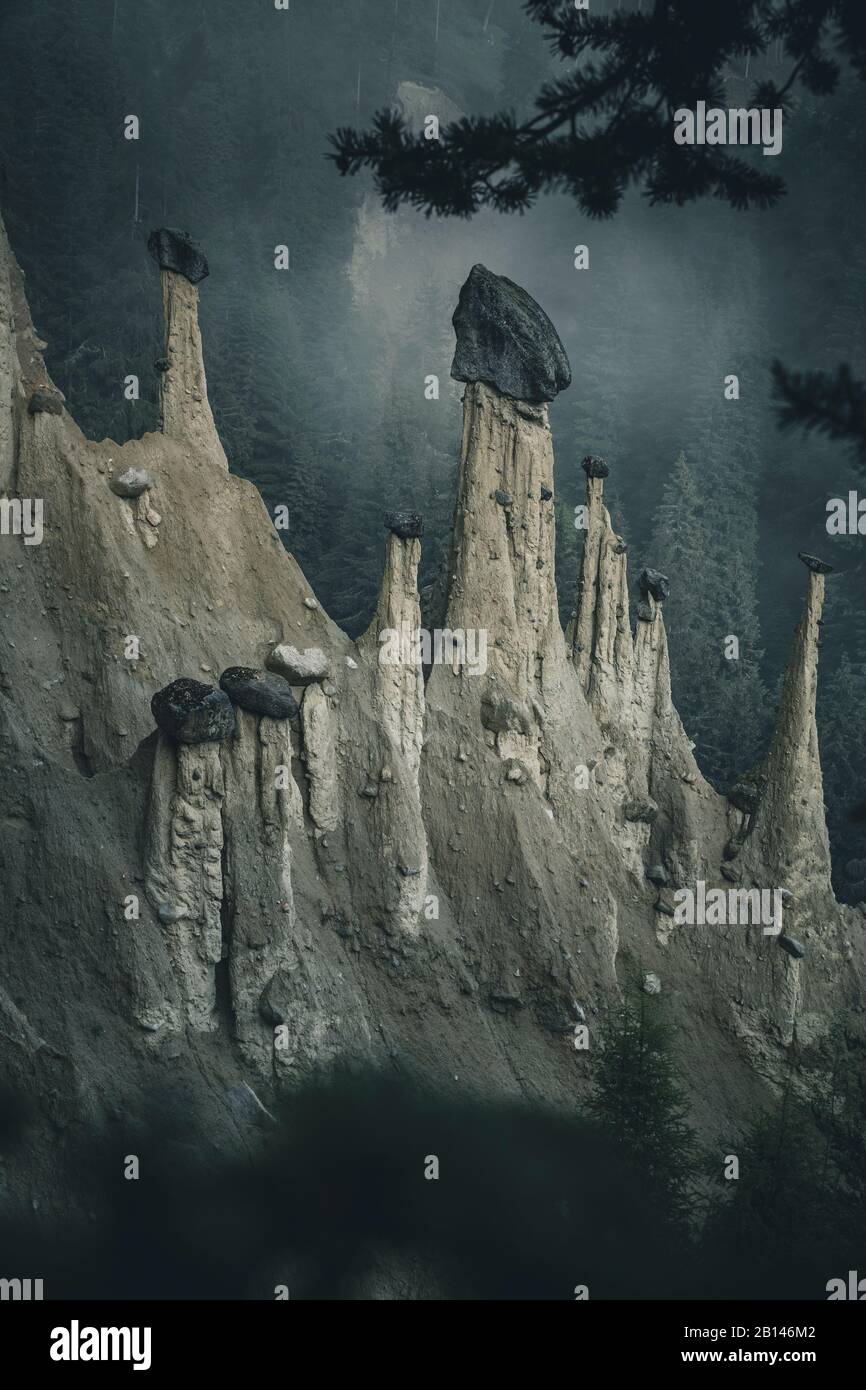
<point x="132" y="482"/>
<point x="794" y="948"/>
<point x="299" y="667"/>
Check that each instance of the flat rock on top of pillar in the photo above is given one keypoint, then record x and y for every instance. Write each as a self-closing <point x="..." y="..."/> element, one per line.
<point x="407" y="525"/>
<point x="814" y="564"/>
<point x="594" y="466"/>
<point x="505" y="339"/>
<point x="174" y="250"/>
<point x="260" y="692"/>
<point x="192" y="712"/>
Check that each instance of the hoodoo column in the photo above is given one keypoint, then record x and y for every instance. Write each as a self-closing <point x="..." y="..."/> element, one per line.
<point x="185" y="411"/>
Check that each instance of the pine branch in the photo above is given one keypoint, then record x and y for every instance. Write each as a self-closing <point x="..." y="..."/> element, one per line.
<point x="608" y="123"/>
<point x="832" y="405"/>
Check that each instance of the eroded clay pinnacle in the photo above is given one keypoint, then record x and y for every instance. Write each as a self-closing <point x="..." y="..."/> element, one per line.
<point x="790" y="825"/>
<point x="184" y="408"/>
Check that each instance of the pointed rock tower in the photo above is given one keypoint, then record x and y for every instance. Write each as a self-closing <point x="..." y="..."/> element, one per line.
<point x="789" y="828"/>
<point x="599" y="636"/>
<point x="185" y="411"/>
<point x="626" y="680"/>
<point x="501" y="597"/>
<point x="391" y="790"/>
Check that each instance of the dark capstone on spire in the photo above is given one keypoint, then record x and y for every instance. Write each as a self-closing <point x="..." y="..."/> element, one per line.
<point x="260" y="692"/>
<point x="173" y="250"/>
<point x="594" y="466"/>
<point x="814" y="564"/>
<point x="505" y="339"/>
<point x="651" y="582"/>
<point x="406" y="525"/>
<point x="192" y="712"/>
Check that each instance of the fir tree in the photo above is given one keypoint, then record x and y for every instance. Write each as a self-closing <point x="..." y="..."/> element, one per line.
<point x="680" y="548"/>
<point x="706" y="539"/>
<point x="840" y="1116"/>
<point x="795" y="1214"/>
<point x="638" y="1099"/>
